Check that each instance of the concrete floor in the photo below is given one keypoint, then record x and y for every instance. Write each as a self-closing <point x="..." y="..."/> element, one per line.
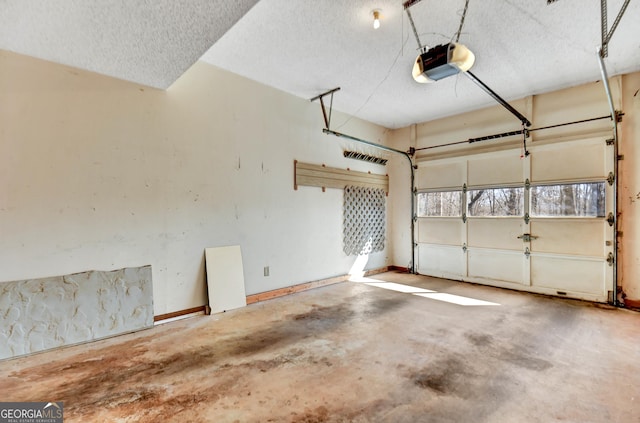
<point x="354" y="352"/>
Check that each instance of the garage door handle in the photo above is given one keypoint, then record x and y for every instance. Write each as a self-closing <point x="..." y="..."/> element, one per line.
<point x="527" y="237"/>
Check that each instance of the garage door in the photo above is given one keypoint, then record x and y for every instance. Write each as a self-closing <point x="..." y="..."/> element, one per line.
<point x="537" y="223"/>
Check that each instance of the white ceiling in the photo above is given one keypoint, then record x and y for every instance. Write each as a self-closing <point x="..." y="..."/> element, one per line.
<point x="150" y="42"/>
<point x="522" y="47"/>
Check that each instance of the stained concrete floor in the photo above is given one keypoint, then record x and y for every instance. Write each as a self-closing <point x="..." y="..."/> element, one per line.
<point x="354" y="352"/>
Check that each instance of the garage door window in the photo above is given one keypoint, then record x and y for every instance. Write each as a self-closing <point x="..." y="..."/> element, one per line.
<point x="496" y="202"/>
<point x="443" y="204"/>
<point x="568" y="200"/>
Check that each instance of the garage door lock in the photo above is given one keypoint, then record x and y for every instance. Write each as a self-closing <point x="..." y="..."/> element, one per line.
<point x="527" y="237"/>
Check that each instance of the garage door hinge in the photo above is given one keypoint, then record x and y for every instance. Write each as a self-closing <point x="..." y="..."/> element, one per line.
<point x="415" y="217"/>
<point x="611" y="178"/>
<point x="464" y="248"/>
<point x="526" y="218"/>
<point x="610" y="141"/>
<point x="527" y="184"/>
<point x="611" y="219"/>
<point x="464" y="218"/>
<point x="611" y="259"/>
<point x="527" y="253"/>
<point x="464" y="188"/>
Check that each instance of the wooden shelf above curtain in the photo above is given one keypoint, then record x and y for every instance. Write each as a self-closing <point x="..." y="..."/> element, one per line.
<point x="312" y="175"/>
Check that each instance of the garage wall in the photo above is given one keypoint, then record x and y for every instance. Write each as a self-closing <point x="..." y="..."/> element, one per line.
<point x="576" y="103"/>
<point x="97" y="173"/>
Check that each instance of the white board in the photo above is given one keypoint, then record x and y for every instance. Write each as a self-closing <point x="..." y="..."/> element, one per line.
<point x="225" y="278"/>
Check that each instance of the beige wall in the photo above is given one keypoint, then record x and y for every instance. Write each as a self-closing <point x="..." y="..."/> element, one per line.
<point x="566" y="105"/>
<point x="97" y="173"/>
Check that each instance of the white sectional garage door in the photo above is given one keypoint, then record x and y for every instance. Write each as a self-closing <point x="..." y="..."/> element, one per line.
<point x="535" y="223"/>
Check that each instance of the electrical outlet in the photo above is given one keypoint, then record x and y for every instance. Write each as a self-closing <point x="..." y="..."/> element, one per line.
<point x="266" y="270"/>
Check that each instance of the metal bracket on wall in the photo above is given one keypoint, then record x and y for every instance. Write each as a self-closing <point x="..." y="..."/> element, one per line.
<point x="327" y="119"/>
<point x="606" y="34"/>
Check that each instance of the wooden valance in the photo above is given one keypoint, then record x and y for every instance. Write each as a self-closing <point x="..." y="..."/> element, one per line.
<point x="312" y="175"/>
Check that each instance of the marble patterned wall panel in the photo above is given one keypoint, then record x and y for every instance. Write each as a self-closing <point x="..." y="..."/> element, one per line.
<point x="41" y="314"/>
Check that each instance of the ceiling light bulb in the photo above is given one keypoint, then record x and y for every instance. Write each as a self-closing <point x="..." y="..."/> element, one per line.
<point x="376" y="19"/>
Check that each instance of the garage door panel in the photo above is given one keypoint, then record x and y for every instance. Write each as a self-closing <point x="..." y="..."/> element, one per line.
<point x="440" y="231"/>
<point x="566" y="236"/>
<point x="570" y="161"/>
<point x="440" y="260"/>
<point x="501" y="233"/>
<point x="449" y="175"/>
<point x="504" y="169"/>
<point x="567" y="274"/>
<point x="496" y="265"/>
<point x="566" y="202"/>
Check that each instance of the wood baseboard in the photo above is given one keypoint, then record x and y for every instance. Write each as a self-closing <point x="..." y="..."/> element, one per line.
<point x="281" y="292"/>
<point x="635" y="304"/>
<point x="399" y="269"/>
<point x="166" y="316"/>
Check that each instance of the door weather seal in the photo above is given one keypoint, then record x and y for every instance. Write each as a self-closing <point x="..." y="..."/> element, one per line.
<point x="614" y="121"/>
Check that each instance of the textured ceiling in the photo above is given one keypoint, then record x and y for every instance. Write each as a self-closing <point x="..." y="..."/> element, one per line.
<point x="522" y="47"/>
<point x="150" y="42"/>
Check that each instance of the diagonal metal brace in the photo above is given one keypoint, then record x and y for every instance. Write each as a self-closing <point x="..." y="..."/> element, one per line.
<point x="407" y="5"/>
<point x="525" y="122"/>
<point x="327" y="120"/>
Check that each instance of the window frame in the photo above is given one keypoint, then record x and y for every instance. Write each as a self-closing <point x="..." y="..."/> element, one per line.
<point x="442" y="191"/>
<point x="568" y="183"/>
